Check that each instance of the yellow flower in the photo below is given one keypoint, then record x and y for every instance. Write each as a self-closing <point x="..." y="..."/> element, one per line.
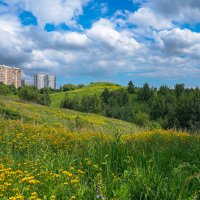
<point x="74" y="181"/>
<point x="52" y="197"/>
<point x="67" y="173"/>
<point x="34" y="193"/>
<point x="80" y="171"/>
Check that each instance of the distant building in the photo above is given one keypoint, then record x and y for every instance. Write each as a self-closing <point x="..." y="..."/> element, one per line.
<point x="51" y="81"/>
<point x="25" y="82"/>
<point x="41" y="81"/>
<point x="10" y="75"/>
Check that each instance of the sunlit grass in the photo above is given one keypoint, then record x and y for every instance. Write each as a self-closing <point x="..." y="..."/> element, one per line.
<point x="54" y="154"/>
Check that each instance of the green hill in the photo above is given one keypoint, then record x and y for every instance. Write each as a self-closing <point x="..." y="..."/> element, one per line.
<point x="67" y="119"/>
<point x="92" y="88"/>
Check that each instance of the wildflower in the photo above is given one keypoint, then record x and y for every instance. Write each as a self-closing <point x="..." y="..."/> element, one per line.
<point x="52" y="197"/>
<point x="80" y="171"/>
<point x="34" y="193"/>
<point x="74" y="181"/>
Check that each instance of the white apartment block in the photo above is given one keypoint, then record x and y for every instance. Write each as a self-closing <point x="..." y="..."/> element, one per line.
<point x="10" y="75"/>
<point x="41" y="81"/>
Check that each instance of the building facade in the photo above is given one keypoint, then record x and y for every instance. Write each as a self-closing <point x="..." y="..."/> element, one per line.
<point x="41" y="81"/>
<point x="25" y="82"/>
<point x="10" y="75"/>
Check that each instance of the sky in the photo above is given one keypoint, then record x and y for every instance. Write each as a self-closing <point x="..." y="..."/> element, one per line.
<point x="83" y="41"/>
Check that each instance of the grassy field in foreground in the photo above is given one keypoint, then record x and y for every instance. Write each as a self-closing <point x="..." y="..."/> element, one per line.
<point x="45" y="156"/>
<point x="93" y="88"/>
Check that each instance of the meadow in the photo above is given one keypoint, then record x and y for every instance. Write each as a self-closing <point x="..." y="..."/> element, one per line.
<point x="48" y="153"/>
<point x="92" y="88"/>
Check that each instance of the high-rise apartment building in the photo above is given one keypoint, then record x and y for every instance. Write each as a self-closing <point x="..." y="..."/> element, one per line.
<point x="51" y="81"/>
<point x="10" y="75"/>
<point x="25" y="82"/>
<point x="41" y="81"/>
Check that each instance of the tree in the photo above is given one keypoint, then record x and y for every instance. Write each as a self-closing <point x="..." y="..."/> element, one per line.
<point x="45" y="97"/>
<point x="68" y="87"/>
<point x="4" y="89"/>
<point x="179" y="89"/>
<point x="131" y="87"/>
<point x="105" y="95"/>
<point x="29" y="93"/>
<point x="145" y="93"/>
<point x="195" y="111"/>
<point x="91" y="103"/>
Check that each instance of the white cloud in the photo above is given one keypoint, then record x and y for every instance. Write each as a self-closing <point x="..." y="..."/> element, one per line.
<point x="181" y="11"/>
<point x="105" y="33"/>
<point x="180" y="41"/>
<point x="153" y="48"/>
<point x="52" y="11"/>
<point x="145" y="17"/>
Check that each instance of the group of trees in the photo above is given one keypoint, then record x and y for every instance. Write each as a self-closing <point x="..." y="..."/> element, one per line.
<point x="69" y="87"/>
<point x="113" y="104"/>
<point x="27" y="93"/>
<point x="177" y="107"/>
<point x="31" y="93"/>
<point x="7" y="89"/>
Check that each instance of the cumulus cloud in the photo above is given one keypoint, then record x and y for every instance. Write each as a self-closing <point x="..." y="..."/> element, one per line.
<point x="56" y="11"/>
<point x="178" y="41"/>
<point x="155" y="47"/>
<point x="145" y="17"/>
<point x="14" y="46"/>
<point x="184" y="11"/>
<point x="105" y="33"/>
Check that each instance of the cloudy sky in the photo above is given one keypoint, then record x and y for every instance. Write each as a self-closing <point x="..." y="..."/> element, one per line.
<point x="80" y="41"/>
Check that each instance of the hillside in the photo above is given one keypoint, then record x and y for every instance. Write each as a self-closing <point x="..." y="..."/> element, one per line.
<point x="64" y="118"/>
<point x="92" y="88"/>
<point x="55" y="154"/>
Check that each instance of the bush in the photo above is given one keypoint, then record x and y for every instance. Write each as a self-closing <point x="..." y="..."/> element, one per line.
<point x="4" y="89"/>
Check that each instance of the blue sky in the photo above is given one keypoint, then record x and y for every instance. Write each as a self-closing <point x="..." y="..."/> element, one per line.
<point x="155" y="41"/>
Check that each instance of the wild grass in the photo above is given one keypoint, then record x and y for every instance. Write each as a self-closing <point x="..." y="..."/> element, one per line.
<point x="43" y="159"/>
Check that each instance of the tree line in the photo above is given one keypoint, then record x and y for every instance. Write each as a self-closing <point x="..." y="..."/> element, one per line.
<point x="28" y="93"/>
<point x="165" y="107"/>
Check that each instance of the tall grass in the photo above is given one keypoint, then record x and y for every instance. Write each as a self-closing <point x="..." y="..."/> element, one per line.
<point x="54" y="154"/>
<point x="42" y="164"/>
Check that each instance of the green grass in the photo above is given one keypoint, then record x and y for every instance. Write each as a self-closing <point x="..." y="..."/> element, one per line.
<point x="97" y="88"/>
<point x="65" y="118"/>
<point x="49" y="153"/>
<point x="93" y="88"/>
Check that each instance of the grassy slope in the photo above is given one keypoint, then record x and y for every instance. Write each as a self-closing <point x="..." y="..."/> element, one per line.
<point x="48" y="153"/>
<point x="65" y="118"/>
<point x="93" y="88"/>
<point x="98" y="87"/>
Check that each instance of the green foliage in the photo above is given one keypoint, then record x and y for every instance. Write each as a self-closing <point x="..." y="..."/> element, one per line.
<point x="9" y="113"/>
<point x="176" y="107"/>
<point x="45" y="97"/>
<point x="114" y="104"/>
<point x="68" y="87"/>
<point x="131" y="87"/>
<point x="91" y="104"/>
<point x="145" y="93"/>
<point x="31" y="93"/>
<point x="4" y="89"/>
<point x="91" y="89"/>
<point x="28" y="93"/>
